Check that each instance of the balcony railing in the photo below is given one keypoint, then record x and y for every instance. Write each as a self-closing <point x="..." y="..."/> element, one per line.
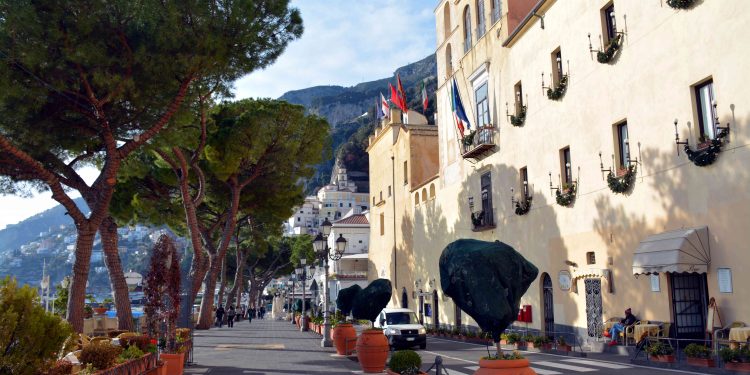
<point x="482" y="220"/>
<point x="479" y="142"/>
<point x="351" y="275"/>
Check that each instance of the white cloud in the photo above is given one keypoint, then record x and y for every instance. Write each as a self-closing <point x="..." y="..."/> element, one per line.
<point x="347" y="42"/>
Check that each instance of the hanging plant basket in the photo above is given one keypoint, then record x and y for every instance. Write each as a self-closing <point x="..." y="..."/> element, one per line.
<point x="519" y="120"/>
<point x="608" y="54"/>
<point x="680" y="4"/>
<point x="523" y="207"/>
<point x="624" y="183"/>
<point x="707" y="156"/>
<point x="468" y="139"/>
<point x="566" y="195"/>
<point x="559" y="91"/>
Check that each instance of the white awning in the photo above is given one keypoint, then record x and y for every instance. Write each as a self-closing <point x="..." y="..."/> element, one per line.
<point x="681" y="250"/>
<point x="355" y="256"/>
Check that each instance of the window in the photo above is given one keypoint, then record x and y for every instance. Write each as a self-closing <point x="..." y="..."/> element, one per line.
<point x="350" y="204"/>
<point x="341" y="204"/>
<point x="373" y="200"/>
<point x="432" y="190"/>
<point x="486" y="190"/>
<point x="467" y="29"/>
<point x="524" y="182"/>
<point x="382" y="224"/>
<point x="483" y="106"/>
<point x="447" y="20"/>
<point x="704" y="101"/>
<point x="590" y="258"/>
<point x="610" y="26"/>
<point x="518" y="89"/>
<point x="299" y="219"/>
<point x="381" y="196"/>
<point x="623" y="147"/>
<point x="406" y="173"/>
<point x="567" y="172"/>
<point x="557" y="67"/>
<point x="448" y="61"/>
<point x="480" y="18"/>
<point x="416" y="198"/>
<point x="496" y="10"/>
<point x="424" y="194"/>
<point x="389" y="190"/>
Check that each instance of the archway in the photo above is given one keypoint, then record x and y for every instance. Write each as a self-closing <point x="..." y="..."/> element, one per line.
<point x="421" y="307"/>
<point x="404" y="298"/>
<point x="548" y="307"/>
<point x="435" y="309"/>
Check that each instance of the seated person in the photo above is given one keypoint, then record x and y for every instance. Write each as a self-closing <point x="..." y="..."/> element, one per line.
<point x="629" y="320"/>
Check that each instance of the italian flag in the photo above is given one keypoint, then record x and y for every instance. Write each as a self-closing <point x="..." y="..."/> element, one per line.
<point x="424" y="98"/>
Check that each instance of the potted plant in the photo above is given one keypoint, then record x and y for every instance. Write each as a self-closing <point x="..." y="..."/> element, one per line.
<point x="344" y="332"/>
<point x="503" y="338"/>
<point x="405" y="362"/>
<point x="661" y="352"/>
<point x="372" y="345"/>
<point x="468" y="139"/>
<point x="736" y="359"/>
<point x="699" y="355"/>
<point x="542" y="342"/>
<point x="562" y="345"/>
<point x="100" y="355"/>
<point x="517" y="340"/>
<point x="499" y="267"/>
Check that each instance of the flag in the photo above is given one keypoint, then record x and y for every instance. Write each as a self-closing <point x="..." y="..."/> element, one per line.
<point x="424" y="98"/>
<point x="383" y="107"/>
<point x="401" y="92"/>
<point x="462" y="121"/>
<point x="396" y="99"/>
<point x="378" y="110"/>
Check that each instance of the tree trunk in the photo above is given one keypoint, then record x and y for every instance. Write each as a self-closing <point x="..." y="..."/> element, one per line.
<point x="108" y="231"/>
<point x="237" y="279"/>
<point x="223" y="282"/>
<point x="77" y="294"/>
<point x="206" y="314"/>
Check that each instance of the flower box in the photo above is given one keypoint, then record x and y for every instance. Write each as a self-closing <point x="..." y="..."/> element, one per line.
<point x="621" y="172"/>
<point x="737" y="366"/>
<point x="701" y="362"/>
<point x="663" y="358"/>
<point x="703" y="145"/>
<point x="564" y="347"/>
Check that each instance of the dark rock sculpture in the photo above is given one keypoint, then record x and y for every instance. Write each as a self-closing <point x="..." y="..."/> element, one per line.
<point x="345" y="299"/>
<point x="370" y="301"/>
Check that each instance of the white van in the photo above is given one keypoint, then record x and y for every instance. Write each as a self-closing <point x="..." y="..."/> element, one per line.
<point x="402" y="328"/>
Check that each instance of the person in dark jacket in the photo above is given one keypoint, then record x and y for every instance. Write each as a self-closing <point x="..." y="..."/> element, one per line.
<point x="230" y="316"/>
<point x="629" y="320"/>
<point x="250" y="314"/>
<point x="220" y="316"/>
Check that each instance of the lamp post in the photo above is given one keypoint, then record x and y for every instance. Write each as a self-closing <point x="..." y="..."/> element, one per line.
<point x="303" y="278"/>
<point x="320" y="243"/>
<point x="289" y="291"/>
<point x="292" y="282"/>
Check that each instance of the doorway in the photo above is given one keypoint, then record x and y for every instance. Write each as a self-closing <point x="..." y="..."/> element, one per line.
<point x="549" y="311"/>
<point x="689" y="301"/>
<point x="594" y="307"/>
<point x="435" y="312"/>
<point x="421" y="307"/>
<point x="404" y="298"/>
<point x="457" y="315"/>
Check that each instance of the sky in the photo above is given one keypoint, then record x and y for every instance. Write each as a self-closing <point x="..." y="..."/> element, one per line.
<point x="345" y="42"/>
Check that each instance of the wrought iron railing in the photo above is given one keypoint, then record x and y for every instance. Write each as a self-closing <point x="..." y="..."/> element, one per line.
<point x="479" y="140"/>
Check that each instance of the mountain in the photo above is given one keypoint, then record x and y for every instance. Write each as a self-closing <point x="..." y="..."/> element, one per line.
<point x="351" y="113"/>
<point x="15" y="235"/>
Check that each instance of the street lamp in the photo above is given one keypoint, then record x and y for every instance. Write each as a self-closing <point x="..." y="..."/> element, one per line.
<point x="291" y="281"/>
<point x="303" y="277"/>
<point x="320" y="243"/>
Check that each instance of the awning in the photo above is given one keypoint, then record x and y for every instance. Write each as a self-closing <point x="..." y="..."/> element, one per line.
<point x="355" y="256"/>
<point x="681" y="250"/>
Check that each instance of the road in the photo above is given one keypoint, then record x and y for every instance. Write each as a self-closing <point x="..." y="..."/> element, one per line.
<point x="462" y="358"/>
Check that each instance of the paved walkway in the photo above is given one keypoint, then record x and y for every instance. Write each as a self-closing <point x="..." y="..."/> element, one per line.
<point x="264" y="347"/>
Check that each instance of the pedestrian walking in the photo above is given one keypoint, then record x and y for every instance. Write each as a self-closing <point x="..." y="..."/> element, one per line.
<point x="262" y="312"/>
<point x="220" y="316"/>
<point x="230" y="316"/>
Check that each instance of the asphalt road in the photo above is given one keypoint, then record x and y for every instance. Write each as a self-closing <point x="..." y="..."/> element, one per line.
<point x="462" y="358"/>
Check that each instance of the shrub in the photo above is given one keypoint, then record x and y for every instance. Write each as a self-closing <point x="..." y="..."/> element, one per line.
<point x="540" y="340"/>
<point x="61" y="367"/>
<point x="561" y="341"/>
<point x="29" y="336"/>
<point x="141" y="342"/>
<point x="513" y="338"/>
<point x="507" y="357"/>
<point x="183" y="333"/>
<point x="101" y="354"/>
<point x="728" y="354"/>
<point x="132" y="352"/>
<point x="659" y="348"/>
<point x="697" y="351"/>
<point x="405" y="362"/>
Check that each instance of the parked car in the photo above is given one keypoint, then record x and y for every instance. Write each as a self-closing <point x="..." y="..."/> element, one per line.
<point x="402" y="328"/>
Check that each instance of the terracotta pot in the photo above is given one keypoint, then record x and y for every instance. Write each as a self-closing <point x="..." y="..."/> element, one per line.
<point x="564" y="347"/>
<point x="372" y="350"/>
<point x="174" y="363"/>
<point x="158" y="370"/>
<point x="100" y="310"/>
<point x="503" y="342"/>
<point x="521" y="346"/>
<point x="340" y="335"/>
<point x="662" y="358"/>
<point x="389" y="372"/>
<point x="504" y="367"/>
<point x="737" y="366"/>
<point x="701" y="362"/>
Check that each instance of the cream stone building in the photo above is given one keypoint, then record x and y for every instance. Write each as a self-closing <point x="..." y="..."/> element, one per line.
<point x="675" y="239"/>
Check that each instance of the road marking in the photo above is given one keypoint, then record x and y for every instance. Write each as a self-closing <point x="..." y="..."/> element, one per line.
<point x="596" y="363"/>
<point x="453" y="371"/>
<point x="473" y="368"/>
<point x="544" y="372"/>
<point x="445" y="356"/>
<point x="564" y="366"/>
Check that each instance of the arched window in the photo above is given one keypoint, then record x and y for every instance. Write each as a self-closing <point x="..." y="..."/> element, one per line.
<point x="447" y="20"/>
<point x="416" y="198"/>
<point x="424" y="194"/>
<point x="480" y="18"/>
<point x="467" y="29"/>
<point x="432" y="190"/>
<point x="448" y="61"/>
<point x="496" y="10"/>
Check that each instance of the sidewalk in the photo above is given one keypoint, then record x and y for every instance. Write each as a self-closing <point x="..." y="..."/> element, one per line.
<point x="264" y="347"/>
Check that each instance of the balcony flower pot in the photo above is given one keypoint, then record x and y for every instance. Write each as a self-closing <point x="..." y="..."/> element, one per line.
<point x="701" y="362"/>
<point x="343" y="334"/>
<point x="174" y="362"/>
<point x="504" y="367"/>
<point x="737" y="366"/>
<point x="372" y="350"/>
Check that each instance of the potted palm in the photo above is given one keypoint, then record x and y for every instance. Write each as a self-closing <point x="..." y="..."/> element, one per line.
<point x="405" y="362"/>
<point x="699" y="355"/>
<point x="372" y="345"/>
<point x="661" y="352"/>
<point x="344" y="331"/>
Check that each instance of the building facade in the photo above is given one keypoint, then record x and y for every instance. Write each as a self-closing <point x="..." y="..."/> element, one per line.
<point x="552" y="116"/>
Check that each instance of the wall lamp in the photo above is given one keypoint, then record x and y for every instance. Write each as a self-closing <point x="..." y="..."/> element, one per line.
<point x="522" y="205"/>
<point x="723" y="131"/>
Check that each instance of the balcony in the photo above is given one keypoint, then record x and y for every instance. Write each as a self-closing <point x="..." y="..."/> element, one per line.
<point x="479" y="143"/>
<point x="482" y="220"/>
<point x="350" y="275"/>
